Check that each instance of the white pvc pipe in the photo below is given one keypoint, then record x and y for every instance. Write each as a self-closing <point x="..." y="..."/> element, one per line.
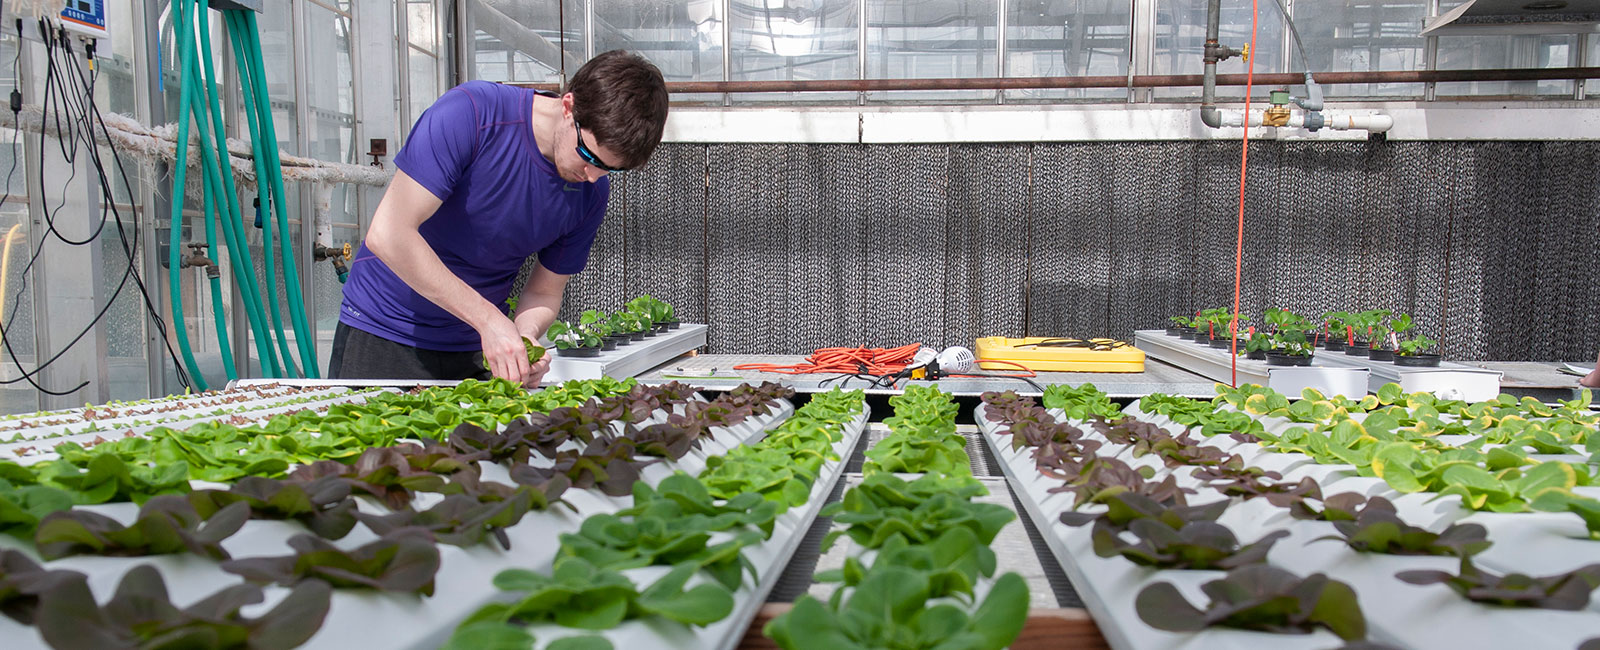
<point x="1376" y="123"/>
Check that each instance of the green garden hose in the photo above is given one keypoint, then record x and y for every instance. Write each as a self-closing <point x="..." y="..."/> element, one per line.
<point x="174" y="280"/>
<point x="247" y="85"/>
<point x="268" y="136"/>
<point x="228" y="208"/>
<point x="199" y="98"/>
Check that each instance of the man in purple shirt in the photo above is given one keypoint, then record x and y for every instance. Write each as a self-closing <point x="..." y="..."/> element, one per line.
<point x="490" y="175"/>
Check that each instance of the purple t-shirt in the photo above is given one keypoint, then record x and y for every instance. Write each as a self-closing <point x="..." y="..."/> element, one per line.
<point x="503" y="201"/>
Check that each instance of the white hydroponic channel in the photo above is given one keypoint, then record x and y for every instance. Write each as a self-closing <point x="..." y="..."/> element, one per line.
<point x="1397" y="613"/>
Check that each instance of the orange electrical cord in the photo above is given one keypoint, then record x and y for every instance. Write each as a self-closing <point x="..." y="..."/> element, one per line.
<point x="1244" y="166"/>
<point x="872" y="361"/>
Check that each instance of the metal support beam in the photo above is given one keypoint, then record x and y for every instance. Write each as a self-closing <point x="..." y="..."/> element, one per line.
<point x="1116" y="81"/>
<point x="151" y="108"/>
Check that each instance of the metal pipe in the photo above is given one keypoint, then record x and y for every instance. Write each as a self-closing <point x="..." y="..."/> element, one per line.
<point x="1118" y="81"/>
<point x="1208" y="94"/>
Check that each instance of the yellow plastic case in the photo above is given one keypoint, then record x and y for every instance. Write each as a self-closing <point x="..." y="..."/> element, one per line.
<point x="1108" y="356"/>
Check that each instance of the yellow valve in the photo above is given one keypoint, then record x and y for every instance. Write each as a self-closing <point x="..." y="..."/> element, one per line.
<point x="347" y="250"/>
<point x="1245" y="52"/>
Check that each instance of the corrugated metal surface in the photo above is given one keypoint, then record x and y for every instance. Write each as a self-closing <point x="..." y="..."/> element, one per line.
<point x="806" y="246"/>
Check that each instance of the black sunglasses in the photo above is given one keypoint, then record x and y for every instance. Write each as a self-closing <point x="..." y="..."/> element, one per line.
<point x="587" y="155"/>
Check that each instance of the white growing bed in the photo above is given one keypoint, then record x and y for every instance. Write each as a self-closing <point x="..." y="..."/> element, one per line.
<point x="1397" y="613"/>
<point x="464" y="581"/>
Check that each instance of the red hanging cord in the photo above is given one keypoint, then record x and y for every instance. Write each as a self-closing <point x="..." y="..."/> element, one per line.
<point x="1244" y="165"/>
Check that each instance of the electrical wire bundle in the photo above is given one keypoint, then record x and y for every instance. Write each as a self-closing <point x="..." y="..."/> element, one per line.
<point x="70" y="107"/>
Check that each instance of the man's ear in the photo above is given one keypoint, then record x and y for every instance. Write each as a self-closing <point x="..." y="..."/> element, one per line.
<point x="566" y="105"/>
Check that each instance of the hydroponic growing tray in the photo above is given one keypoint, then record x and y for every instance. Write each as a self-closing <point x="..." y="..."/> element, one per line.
<point x="629" y="360"/>
<point x="1398" y="614"/>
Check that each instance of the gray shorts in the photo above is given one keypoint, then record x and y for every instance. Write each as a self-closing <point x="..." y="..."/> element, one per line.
<point x="361" y="355"/>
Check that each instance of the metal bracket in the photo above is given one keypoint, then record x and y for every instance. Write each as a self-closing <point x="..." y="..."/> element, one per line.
<point x="237" y="5"/>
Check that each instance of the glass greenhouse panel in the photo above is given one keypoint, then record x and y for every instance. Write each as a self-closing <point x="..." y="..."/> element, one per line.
<point x="932" y="39"/>
<point x="1067" y="38"/>
<point x="796" y="40"/>
<point x="684" y="39"/>
<point x="1362" y="36"/>
<point x="1507" y="51"/>
<point x="1181" y="36"/>
<point x="519" y="42"/>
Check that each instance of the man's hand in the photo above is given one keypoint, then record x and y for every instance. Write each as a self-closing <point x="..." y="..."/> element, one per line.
<point x="503" y="351"/>
<point x="537" y="371"/>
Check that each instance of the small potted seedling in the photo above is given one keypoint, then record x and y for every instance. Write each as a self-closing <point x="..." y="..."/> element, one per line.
<point x="1335" y="326"/>
<point x="1181" y="327"/>
<point x="596" y="322"/>
<point x="640" y="308"/>
<point x="602" y="324"/>
<point x="1257" y="345"/>
<point x="1412" y="351"/>
<point x="573" y="341"/>
<point x="1362" y="327"/>
<point x="1382" y="350"/>
<point x="1217" y="322"/>
<point x="1289" y="345"/>
<point x="627" y="322"/>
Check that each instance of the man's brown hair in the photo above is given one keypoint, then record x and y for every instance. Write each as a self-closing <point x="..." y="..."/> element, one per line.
<point x="622" y="99"/>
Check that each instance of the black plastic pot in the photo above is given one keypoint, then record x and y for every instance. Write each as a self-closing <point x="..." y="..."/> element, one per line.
<point x="1380" y="354"/>
<point x="636" y="336"/>
<point x="661" y="328"/>
<point x="1186" y="334"/>
<point x="1417" y="360"/>
<point x="1258" y="355"/>
<point x="1201" y="335"/>
<point x="1175" y="331"/>
<point x="672" y="324"/>
<point x="1358" y="349"/>
<point x="1281" y="359"/>
<point x="1334" y="345"/>
<point x="649" y="331"/>
<point x="607" y="345"/>
<point x="1221" y="344"/>
<point x="618" y="340"/>
<point x="579" y="352"/>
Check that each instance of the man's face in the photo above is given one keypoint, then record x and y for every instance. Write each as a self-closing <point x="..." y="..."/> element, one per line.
<point x="572" y="166"/>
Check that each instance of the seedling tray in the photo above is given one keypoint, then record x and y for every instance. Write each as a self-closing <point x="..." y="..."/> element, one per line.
<point x="630" y="360"/>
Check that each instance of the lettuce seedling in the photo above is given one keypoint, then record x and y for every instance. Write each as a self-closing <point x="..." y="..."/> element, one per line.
<point x="1080" y="403"/>
<point x="166" y="524"/>
<point x="109" y="478"/>
<point x="1565" y="591"/>
<point x="1197" y="545"/>
<point x="403" y="561"/>
<point x="22" y="582"/>
<point x="1339" y="507"/>
<point x="890" y="608"/>
<point x="1377" y="529"/>
<point x="952" y="564"/>
<point x="1123" y="509"/>
<point x="535" y="351"/>
<point x="461" y="520"/>
<point x="581" y="595"/>
<point x="1258" y="597"/>
<point x="383" y="472"/>
<point x="604" y="464"/>
<point x="880" y="508"/>
<point x="21" y="508"/>
<point x="323" y="505"/>
<point x="141" y="615"/>
<point x="1099" y="478"/>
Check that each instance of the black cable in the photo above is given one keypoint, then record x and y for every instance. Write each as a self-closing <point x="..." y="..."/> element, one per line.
<point x="88" y="85"/>
<point x="82" y="120"/>
<point x="1306" y="60"/>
